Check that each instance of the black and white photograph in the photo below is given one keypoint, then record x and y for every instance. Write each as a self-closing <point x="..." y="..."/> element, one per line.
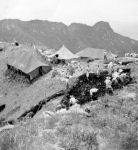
<point x="68" y="74"/>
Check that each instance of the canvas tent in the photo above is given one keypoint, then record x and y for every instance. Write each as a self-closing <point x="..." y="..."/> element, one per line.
<point x="110" y="55"/>
<point x="28" y="62"/>
<point x="94" y="53"/>
<point x="64" y="53"/>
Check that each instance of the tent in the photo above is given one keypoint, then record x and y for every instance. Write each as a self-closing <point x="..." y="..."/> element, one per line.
<point x="64" y="53"/>
<point x="95" y="53"/>
<point x="28" y="62"/>
<point x="110" y="55"/>
<point x="92" y="53"/>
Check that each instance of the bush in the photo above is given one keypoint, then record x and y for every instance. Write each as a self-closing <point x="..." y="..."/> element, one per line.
<point x="75" y="133"/>
<point x="77" y="137"/>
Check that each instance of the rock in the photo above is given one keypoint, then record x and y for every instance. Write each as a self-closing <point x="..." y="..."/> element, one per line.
<point x="48" y="114"/>
<point x="77" y="109"/>
<point x="62" y="111"/>
<point x="6" y="127"/>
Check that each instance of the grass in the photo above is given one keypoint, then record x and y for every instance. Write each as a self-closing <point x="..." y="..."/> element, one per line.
<point x="129" y="142"/>
<point x="111" y="125"/>
<point x="109" y="128"/>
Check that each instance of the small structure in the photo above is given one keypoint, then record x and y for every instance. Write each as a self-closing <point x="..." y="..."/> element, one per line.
<point x="27" y="62"/>
<point x="95" y="53"/>
<point x="64" y="54"/>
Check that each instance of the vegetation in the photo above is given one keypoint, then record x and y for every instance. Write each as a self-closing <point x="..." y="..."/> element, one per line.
<point x="111" y="125"/>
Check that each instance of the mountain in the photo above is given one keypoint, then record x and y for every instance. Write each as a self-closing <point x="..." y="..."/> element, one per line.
<point x="75" y="36"/>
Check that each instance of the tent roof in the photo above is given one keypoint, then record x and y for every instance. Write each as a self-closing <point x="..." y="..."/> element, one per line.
<point x="25" y="60"/>
<point x="64" y="53"/>
<point x="92" y="53"/>
<point x="95" y="53"/>
<point x="111" y="55"/>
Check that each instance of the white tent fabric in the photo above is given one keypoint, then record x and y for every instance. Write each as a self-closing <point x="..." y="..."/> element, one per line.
<point x="64" y="53"/>
<point x="95" y="53"/>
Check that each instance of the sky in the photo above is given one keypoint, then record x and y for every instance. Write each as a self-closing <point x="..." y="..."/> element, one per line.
<point x="121" y="14"/>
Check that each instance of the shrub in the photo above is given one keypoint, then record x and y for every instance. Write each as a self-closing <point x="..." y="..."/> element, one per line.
<point x="29" y="135"/>
<point x="76" y="136"/>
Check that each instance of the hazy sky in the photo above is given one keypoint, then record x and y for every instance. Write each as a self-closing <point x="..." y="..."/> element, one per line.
<point x="121" y="14"/>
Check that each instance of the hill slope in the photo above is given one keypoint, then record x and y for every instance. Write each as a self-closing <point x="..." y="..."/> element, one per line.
<point x="75" y="37"/>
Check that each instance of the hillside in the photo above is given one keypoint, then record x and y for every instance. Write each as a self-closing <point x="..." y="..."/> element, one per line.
<point x="111" y="123"/>
<point x="75" y="36"/>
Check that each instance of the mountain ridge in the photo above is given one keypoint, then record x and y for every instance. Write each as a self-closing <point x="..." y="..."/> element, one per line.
<point x="76" y="36"/>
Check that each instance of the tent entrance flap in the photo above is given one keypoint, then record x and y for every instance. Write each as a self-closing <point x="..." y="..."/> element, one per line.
<point x="34" y="73"/>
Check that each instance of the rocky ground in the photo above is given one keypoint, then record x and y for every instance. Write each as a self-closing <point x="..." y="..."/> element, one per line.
<point x="110" y="125"/>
